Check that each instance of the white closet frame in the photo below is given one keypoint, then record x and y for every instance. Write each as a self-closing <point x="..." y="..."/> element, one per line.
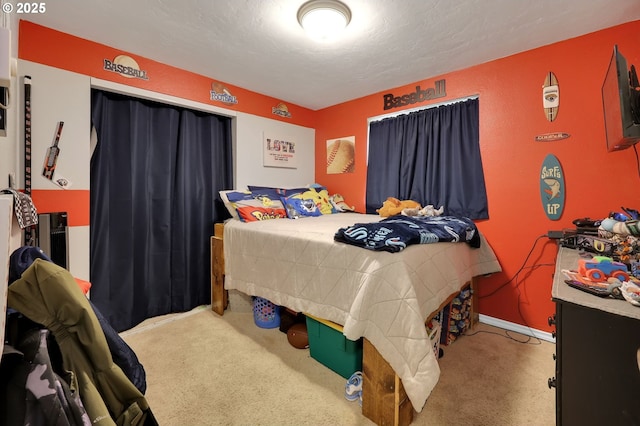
<point x="10" y="240"/>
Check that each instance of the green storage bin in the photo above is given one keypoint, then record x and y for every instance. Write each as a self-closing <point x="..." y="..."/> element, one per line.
<point x="331" y="348"/>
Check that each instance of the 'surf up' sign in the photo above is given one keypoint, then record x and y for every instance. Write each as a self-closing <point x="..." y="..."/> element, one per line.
<point x="552" y="187"/>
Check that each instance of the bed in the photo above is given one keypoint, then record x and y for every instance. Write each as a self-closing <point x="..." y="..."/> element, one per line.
<point x="381" y="296"/>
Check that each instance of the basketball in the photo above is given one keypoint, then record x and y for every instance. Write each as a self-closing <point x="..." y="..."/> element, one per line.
<point x="297" y="335"/>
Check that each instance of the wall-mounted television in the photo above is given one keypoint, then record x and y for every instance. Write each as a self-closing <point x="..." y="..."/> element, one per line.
<point x="621" y="120"/>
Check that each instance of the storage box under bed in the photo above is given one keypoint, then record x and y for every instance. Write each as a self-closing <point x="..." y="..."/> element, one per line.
<point x="331" y="348"/>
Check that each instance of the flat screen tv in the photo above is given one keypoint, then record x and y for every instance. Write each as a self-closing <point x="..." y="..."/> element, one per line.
<point x="621" y="120"/>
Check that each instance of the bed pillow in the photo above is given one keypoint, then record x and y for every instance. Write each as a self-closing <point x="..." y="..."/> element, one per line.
<point x="308" y="203"/>
<point x="230" y="207"/>
<point x="276" y="193"/>
<point x="253" y="206"/>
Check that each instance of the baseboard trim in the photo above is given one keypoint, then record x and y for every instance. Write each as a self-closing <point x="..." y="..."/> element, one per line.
<point x="162" y="319"/>
<point x="518" y="328"/>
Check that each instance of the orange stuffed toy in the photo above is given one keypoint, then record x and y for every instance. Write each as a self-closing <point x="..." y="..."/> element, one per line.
<point x="392" y="206"/>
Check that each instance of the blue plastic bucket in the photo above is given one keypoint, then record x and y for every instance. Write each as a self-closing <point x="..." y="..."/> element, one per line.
<point x="265" y="313"/>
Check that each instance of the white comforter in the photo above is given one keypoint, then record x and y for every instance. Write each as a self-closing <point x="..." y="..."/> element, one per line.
<point x="385" y="297"/>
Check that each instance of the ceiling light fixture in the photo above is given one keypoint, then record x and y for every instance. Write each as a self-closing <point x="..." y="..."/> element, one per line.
<point x="324" y="19"/>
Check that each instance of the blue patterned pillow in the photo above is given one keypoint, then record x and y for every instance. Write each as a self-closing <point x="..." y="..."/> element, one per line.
<point x="308" y="203"/>
<point x="275" y="193"/>
<point x="253" y="206"/>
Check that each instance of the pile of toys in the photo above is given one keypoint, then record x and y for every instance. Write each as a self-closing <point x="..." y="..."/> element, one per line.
<point x="604" y="277"/>
<point x="616" y="236"/>
<point x="613" y="269"/>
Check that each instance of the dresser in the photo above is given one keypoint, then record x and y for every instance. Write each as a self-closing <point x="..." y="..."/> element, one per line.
<point x="597" y="377"/>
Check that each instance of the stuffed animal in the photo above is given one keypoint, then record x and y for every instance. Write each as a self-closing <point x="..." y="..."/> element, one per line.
<point x="339" y="204"/>
<point x="428" y="211"/>
<point x="431" y="211"/>
<point x="393" y="206"/>
<point x="415" y="211"/>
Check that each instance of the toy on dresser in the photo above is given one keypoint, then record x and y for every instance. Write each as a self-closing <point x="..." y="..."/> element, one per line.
<point x="604" y="277"/>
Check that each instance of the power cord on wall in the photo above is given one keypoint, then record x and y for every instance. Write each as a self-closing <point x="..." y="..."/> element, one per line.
<point x="532" y="340"/>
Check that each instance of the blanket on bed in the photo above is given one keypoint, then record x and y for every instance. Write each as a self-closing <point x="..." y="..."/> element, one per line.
<point x="397" y="232"/>
<point x="382" y="296"/>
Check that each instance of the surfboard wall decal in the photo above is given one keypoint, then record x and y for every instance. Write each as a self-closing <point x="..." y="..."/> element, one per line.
<point x="550" y="137"/>
<point x="550" y="96"/>
<point x="552" y="187"/>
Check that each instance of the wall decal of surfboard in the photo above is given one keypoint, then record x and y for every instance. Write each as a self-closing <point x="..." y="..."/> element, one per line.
<point x="550" y="96"/>
<point x="552" y="187"/>
<point x="550" y="137"/>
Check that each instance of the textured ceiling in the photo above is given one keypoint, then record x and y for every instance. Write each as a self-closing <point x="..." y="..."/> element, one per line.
<point x="258" y="44"/>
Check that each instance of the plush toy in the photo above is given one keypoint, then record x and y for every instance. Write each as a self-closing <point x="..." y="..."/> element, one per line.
<point x="339" y="204"/>
<point x="392" y="206"/>
<point x="431" y="211"/>
<point x="415" y="211"/>
<point x="428" y="211"/>
<point x="610" y="227"/>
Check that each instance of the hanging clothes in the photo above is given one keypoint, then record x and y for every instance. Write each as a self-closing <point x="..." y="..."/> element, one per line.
<point x="49" y="295"/>
<point x="25" y="210"/>
<point x="33" y="394"/>
<point x="121" y="353"/>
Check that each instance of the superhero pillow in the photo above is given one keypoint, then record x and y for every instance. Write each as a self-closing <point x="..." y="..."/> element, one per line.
<point x="253" y="206"/>
<point x="308" y="203"/>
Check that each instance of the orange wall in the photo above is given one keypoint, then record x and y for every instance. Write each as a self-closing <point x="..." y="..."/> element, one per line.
<point x="64" y="51"/>
<point x="511" y="114"/>
<point x="86" y="57"/>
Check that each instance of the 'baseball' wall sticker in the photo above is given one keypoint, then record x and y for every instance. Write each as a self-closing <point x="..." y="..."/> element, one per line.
<point x="341" y="155"/>
<point x="552" y="187"/>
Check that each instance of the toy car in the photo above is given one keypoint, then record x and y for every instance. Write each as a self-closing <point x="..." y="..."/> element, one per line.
<point x="600" y="268"/>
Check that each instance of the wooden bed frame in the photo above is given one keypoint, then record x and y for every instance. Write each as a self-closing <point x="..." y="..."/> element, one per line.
<point x="384" y="400"/>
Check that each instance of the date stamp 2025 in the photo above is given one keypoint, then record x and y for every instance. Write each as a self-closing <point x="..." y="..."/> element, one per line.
<point x="25" y="8"/>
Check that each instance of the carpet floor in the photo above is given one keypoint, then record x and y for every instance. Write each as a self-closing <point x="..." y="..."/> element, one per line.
<point x="206" y="369"/>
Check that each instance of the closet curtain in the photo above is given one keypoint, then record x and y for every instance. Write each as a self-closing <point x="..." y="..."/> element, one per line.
<point x="430" y="156"/>
<point x="155" y="174"/>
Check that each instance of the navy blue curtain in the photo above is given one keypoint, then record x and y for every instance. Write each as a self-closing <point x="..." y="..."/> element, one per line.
<point x="155" y="173"/>
<point x="430" y="156"/>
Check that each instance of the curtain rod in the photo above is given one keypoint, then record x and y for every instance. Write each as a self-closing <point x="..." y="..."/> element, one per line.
<point x="420" y="108"/>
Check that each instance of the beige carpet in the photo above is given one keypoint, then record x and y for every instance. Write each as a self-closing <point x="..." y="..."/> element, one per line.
<point x="203" y="369"/>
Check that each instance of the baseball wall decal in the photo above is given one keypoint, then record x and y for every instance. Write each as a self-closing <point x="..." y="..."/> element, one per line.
<point x="341" y="155"/>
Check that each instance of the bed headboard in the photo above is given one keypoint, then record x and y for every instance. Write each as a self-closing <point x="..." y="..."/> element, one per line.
<point x="10" y="239"/>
